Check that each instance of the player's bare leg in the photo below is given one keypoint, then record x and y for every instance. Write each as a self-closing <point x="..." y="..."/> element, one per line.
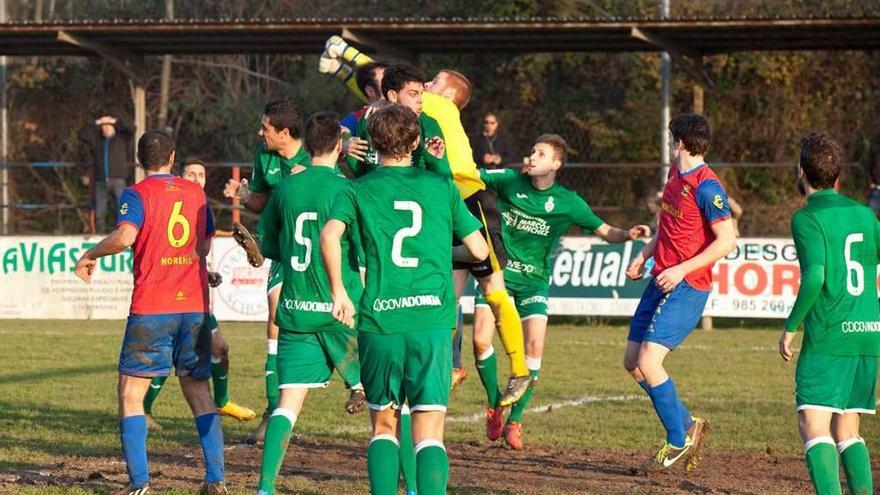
<point x="853" y="452"/>
<point x="459" y="372"/>
<point x="278" y="434"/>
<point x="272" y="393"/>
<point x="220" y="380"/>
<point x="198" y="396"/>
<point x="535" y="330"/>
<point x="509" y="328"/>
<point x="487" y="369"/>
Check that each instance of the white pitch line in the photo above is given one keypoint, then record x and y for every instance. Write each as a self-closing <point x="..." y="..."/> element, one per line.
<point x="589" y="399"/>
<point x="480" y="417"/>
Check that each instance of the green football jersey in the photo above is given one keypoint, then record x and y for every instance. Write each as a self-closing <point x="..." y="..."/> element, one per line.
<point x="428" y="128"/>
<point x="407" y="218"/>
<point x="843" y="237"/>
<point x="293" y="219"/>
<point x="270" y="167"/>
<point x="534" y="221"/>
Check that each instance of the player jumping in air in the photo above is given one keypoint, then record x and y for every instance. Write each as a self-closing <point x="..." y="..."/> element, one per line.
<point x="443" y="100"/>
<point x="537" y="211"/>
<point x="311" y="342"/>
<point x="279" y="152"/>
<point x="838" y="248"/>
<point x="166" y="222"/>
<point x="405" y="85"/>
<point x="694" y="232"/>
<point x="407" y="219"/>
<point x="194" y="170"/>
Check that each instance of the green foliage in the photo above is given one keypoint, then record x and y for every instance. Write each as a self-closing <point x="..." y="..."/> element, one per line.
<point x="606" y="105"/>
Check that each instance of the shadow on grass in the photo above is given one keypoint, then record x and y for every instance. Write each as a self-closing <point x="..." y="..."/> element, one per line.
<point x="33" y="376"/>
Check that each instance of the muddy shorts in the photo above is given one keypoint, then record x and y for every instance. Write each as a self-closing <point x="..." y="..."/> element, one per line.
<point x="154" y="343"/>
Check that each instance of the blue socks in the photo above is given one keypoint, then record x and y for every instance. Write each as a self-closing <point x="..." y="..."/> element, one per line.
<point x="133" y="433"/>
<point x="686" y="419"/>
<point x="671" y="412"/>
<point x="211" y="438"/>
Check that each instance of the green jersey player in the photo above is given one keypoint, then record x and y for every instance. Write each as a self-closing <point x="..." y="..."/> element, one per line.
<point x="280" y="152"/>
<point x="403" y="84"/>
<point x="311" y="342"/>
<point x="536" y="212"/>
<point x="838" y="247"/>
<point x="407" y="218"/>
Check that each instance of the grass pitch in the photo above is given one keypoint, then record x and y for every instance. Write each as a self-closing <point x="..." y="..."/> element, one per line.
<point x="58" y="399"/>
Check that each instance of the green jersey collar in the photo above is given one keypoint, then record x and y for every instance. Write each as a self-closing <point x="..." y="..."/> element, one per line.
<point x="822" y="194"/>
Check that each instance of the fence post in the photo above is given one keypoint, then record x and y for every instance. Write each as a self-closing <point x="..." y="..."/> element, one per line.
<point x="236" y="214"/>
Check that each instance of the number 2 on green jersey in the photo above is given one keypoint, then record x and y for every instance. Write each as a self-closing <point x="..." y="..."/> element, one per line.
<point x="296" y="263"/>
<point x="397" y="244"/>
<point x="855" y="273"/>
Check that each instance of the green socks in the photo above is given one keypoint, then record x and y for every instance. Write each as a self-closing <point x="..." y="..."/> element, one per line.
<point x="274" y="448"/>
<point x="487" y="368"/>
<point x="433" y="467"/>
<point x="220" y="379"/>
<point x="856" y="465"/>
<point x="516" y="411"/>
<point x="407" y="452"/>
<point x="383" y="465"/>
<point x="153" y="392"/>
<point x="272" y="393"/>
<point x="822" y="464"/>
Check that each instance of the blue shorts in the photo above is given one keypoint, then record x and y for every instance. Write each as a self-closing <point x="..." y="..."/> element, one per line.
<point x="667" y="319"/>
<point x="152" y="343"/>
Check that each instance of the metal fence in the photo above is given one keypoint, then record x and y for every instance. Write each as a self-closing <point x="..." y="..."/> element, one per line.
<point x="54" y="197"/>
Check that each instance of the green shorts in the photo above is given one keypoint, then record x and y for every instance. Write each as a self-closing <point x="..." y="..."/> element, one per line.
<point x="413" y="367"/>
<point x="307" y="360"/>
<point x="530" y="300"/>
<point x="275" y="276"/>
<point x="840" y="384"/>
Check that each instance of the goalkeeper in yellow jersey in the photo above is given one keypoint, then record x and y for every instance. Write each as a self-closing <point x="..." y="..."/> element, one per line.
<point x="443" y="100"/>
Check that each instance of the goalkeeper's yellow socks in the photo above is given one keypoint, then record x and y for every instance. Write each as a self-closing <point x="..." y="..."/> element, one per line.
<point x="509" y="328"/>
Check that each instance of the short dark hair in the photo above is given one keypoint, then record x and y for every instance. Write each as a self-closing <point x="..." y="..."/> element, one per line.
<point x="365" y="76"/>
<point x="693" y="131"/>
<point x="283" y="114"/>
<point x="560" y="147"/>
<point x="393" y="130"/>
<point x="190" y="161"/>
<point x="321" y="133"/>
<point x="154" y="149"/>
<point x="821" y="160"/>
<point x="396" y="76"/>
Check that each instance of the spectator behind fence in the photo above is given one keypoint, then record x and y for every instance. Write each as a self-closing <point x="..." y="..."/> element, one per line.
<point x="108" y="139"/>
<point x="492" y="147"/>
<point x="872" y="173"/>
